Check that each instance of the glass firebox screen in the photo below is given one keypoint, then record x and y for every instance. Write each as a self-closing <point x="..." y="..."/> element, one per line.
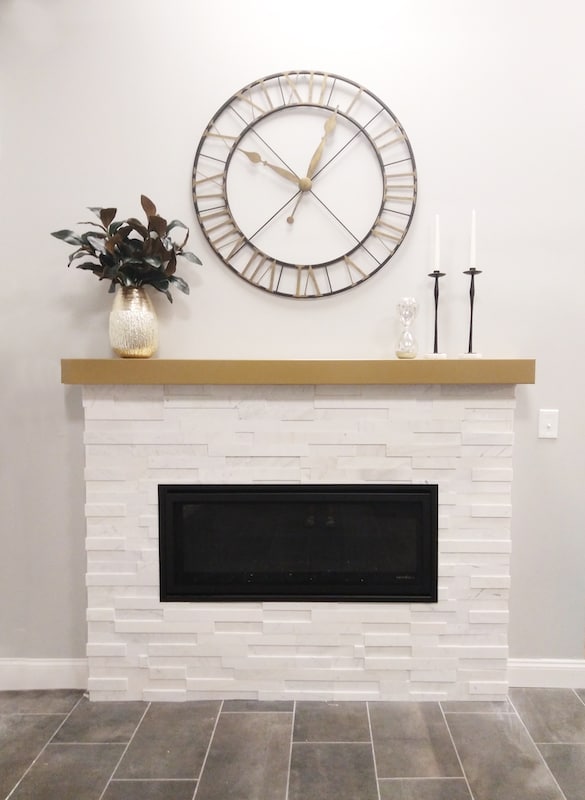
<point x="314" y="542"/>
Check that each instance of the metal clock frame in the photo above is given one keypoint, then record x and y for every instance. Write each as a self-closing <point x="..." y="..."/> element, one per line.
<point x="256" y="102"/>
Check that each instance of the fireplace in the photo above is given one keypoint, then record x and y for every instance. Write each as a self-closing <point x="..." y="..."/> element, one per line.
<point x="323" y="542"/>
<point x="139" y="437"/>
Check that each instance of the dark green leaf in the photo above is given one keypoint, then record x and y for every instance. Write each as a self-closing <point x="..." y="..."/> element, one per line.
<point x="176" y="223"/>
<point x="67" y="236"/>
<point x="97" y="242"/>
<point x="90" y="265"/>
<point x="171" y="265"/>
<point x="109" y="271"/>
<point x="91" y="222"/>
<point x="90" y="237"/>
<point x="81" y="253"/>
<point x="95" y="210"/>
<point x="182" y="285"/>
<point x="191" y="257"/>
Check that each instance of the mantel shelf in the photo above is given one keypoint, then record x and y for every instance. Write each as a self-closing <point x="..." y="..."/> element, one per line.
<point x="265" y="372"/>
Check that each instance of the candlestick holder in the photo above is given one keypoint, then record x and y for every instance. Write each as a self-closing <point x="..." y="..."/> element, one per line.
<point x="406" y="347"/>
<point x="436" y="274"/>
<point x="472" y="272"/>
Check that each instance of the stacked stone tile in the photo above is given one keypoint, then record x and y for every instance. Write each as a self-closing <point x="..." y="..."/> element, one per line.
<point x="137" y="437"/>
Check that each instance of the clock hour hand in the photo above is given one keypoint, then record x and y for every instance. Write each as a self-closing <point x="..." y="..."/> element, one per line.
<point x="329" y="128"/>
<point x="256" y="158"/>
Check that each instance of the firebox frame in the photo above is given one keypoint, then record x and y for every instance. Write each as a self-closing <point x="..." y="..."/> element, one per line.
<point x="176" y="586"/>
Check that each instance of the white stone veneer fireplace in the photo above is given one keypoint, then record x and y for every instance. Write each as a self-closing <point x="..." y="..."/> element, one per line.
<point x="458" y="436"/>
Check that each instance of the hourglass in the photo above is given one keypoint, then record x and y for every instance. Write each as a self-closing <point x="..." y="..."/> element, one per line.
<point x="406" y="346"/>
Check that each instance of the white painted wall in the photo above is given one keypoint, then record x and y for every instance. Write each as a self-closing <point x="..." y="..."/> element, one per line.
<point x="100" y="102"/>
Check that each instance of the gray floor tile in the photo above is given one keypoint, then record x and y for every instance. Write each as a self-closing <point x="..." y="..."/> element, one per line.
<point x="567" y="764"/>
<point x="70" y="772"/>
<point x="327" y="771"/>
<point x="331" y="722"/>
<point x="258" y="705"/>
<point x="551" y="715"/>
<point x="424" y="789"/>
<point x="103" y="722"/>
<point x="499" y="758"/>
<point x="248" y="758"/>
<point x="411" y="740"/>
<point x="39" y="701"/>
<point x="171" y="741"/>
<point x="150" y="790"/>
<point x="249" y="754"/>
<point x="21" y="739"/>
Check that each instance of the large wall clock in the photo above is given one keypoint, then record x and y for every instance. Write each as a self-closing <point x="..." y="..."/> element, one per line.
<point x="304" y="183"/>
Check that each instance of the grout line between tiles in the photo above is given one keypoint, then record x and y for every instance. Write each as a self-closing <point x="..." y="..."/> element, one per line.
<point x="130" y="740"/>
<point x="471" y="795"/>
<point x="373" y="750"/>
<point x="561" y="744"/>
<point x="85" y="744"/>
<point x="292" y="734"/>
<point x="153" y="780"/>
<point x="540" y="756"/>
<point x="207" y="751"/>
<point x="511" y="712"/>
<point x="578" y="696"/>
<point x="35" y="713"/>
<point x="42" y="750"/>
<point x="333" y="741"/>
<point x="256" y="711"/>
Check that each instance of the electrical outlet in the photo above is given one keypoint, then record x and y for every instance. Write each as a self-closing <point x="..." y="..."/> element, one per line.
<point x="548" y="423"/>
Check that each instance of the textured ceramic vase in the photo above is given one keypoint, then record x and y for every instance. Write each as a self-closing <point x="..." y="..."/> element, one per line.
<point x="133" y="323"/>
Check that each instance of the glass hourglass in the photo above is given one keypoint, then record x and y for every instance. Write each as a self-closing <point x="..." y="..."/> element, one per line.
<point x="406" y="346"/>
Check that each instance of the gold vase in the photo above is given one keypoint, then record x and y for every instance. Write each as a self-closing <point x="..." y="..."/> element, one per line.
<point x="133" y="323"/>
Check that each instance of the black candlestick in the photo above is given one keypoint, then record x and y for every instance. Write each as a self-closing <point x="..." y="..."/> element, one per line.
<point x="473" y="272"/>
<point x="436" y="275"/>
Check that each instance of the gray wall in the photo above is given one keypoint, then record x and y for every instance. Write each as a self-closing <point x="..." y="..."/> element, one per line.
<point x="103" y="101"/>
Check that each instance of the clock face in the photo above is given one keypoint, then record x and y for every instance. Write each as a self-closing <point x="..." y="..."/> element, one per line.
<point x="304" y="184"/>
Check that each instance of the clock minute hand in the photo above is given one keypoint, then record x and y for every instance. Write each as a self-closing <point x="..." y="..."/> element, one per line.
<point x="256" y="158"/>
<point x="306" y="183"/>
<point x="330" y="124"/>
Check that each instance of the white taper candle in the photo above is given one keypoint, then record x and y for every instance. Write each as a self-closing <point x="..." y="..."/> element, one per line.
<point x="472" y="244"/>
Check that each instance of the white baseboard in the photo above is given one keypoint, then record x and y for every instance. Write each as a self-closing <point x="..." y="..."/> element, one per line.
<point x="43" y="673"/>
<point x="63" y="673"/>
<point x="547" y="673"/>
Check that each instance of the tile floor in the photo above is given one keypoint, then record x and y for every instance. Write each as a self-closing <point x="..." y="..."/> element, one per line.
<point x="56" y="745"/>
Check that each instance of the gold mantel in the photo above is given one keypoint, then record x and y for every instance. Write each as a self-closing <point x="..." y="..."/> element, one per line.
<point x="258" y="372"/>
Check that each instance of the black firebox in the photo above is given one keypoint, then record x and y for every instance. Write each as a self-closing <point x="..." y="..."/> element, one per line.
<point x="358" y="542"/>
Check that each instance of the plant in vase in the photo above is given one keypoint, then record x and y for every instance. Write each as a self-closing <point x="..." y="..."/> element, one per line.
<point x="133" y="255"/>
